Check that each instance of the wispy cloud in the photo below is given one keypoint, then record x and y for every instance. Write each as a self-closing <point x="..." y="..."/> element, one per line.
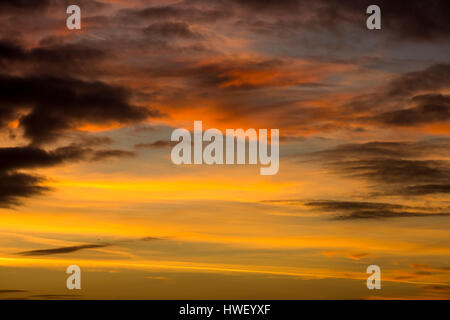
<point x="43" y="252"/>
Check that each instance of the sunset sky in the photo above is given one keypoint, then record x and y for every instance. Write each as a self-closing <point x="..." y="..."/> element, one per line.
<point x="87" y="179"/>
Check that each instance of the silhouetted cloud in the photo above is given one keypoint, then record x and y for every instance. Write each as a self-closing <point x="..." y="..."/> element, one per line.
<point x="412" y="20"/>
<point x="432" y="78"/>
<point x="426" y="267"/>
<point x="355" y="210"/>
<point x="432" y="109"/>
<point x="359" y="210"/>
<point x="398" y="168"/>
<point x="59" y="104"/>
<point x="13" y="291"/>
<point x="32" y="157"/>
<point x="150" y="239"/>
<point x="421" y="87"/>
<point x="43" y="252"/>
<point x="437" y="288"/>
<point x="105" y="154"/>
<point x="17" y="185"/>
<point x="171" y="29"/>
<point x="54" y="296"/>
<point x="426" y="189"/>
<point x="174" y="11"/>
<point x="24" y="5"/>
<point x="56" y="59"/>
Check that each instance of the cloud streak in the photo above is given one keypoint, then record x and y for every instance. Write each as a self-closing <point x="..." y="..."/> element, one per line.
<point x="61" y="250"/>
<point x="396" y="168"/>
<point x="355" y="210"/>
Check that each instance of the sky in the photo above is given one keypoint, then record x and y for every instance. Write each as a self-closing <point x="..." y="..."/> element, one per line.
<point x="86" y="118"/>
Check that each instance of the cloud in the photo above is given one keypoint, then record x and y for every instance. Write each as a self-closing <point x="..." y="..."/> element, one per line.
<point x="60" y="250"/>
<point x="60" y="104"/>
<point x="241" y="73"/>
<point x="426" y="267"/>
<point x="362" y="210"/>
<point x="31" y="157"/>
<point x="432" y="78"/>
<point x="171" y="29"/>
<point x="426" y="189"/>
<point x="17" y="185"/>
<point x="106" y="154"/>
<point x="40" y="106"/>
<point x="432" y="109"/>
<point x="413" y="21"/>
<point x="24" y="5"/>
<point x="55" y="296"/>
<point x="349" y="255"/>
<point x="156" y="144"/>
<point x="356" y="210"/>
<point x="56" y="59"/>
<point x="174" y="11"/>
<point x="397" y="171"/>
<point x="150" y="239"/>
<point x="421" y="87"/>
<point x="437" y="288"/>
<point x="395" y="168"/>
<point x="12" y="291"/>
<point x="43" y="252"/>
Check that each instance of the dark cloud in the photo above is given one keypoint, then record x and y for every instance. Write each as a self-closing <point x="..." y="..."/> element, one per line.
<point x="156" y="144"/>
<point x="398" y="171"/>
<point x="43" y="252"/>
<point x="412" y="20"/>
<point x="12" y="291"/>
<point x="23" y="5"/>
<point x="426" y="189"/>
<point x="361" y="210"/>
<point x="43" y="6"/>
<point x="56" y="59"/>
<point x="60" y="104"/>
<point x="426" y="267"/>
<point x="220" y="73"/>
<point x="384" y="150"/>
<point x="105" y="154"/>
<point x="352" y="205"/>
<point x="286" y="138"/>
<point x="70" y="249"/>
<point x="432" y="78"/>
<point x="30" y="157"/>
<point x="417" y="87"/>
<point x="55" y="296"/>
<point x="171" y="29"/>
<point x="437" y="288"/>
<point x="432" y="109"/>
<point x="44" y="113"/>
<point x="173" y="12"/>
<point x="354" y="210"/>
<point x="17" y="185"/>
<point x="150" y="239"/>
<point x="396" y="168"/>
